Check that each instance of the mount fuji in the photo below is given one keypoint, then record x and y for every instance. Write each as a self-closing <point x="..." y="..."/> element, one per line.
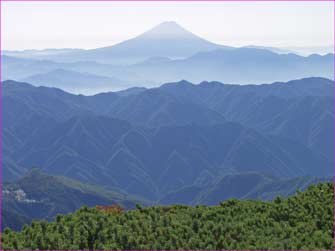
<point x="166" y="53"/>
<point x="167" y="39"/>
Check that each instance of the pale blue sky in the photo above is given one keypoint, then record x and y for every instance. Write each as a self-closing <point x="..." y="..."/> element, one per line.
<point x="38" y="25"/>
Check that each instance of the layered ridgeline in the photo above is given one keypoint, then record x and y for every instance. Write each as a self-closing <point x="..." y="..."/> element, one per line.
<point x="237" y="66"/>
<point x="240" y="186"/>
<point x="41" y="196"/>
<point x="166" y="53"/>
<point x="157" y="142"/>
<point x="302" y="222"/>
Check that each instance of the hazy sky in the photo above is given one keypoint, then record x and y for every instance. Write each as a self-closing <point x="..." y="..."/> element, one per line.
<point x="38" y="25"/>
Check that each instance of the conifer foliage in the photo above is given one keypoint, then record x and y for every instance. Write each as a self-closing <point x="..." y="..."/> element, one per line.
<point x="304" y="221"/>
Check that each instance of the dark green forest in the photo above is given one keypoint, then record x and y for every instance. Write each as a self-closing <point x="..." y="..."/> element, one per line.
<point x="304" y="221"/>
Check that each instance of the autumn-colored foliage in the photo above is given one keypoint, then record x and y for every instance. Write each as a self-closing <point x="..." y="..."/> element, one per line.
<point x="110" y="209"/>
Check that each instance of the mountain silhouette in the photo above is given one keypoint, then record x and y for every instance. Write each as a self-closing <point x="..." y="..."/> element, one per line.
<point x="167" y="39"/>
<point x="166" y="53"/>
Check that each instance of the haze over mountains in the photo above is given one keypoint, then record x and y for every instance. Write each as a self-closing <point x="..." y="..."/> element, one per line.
<point x="189" y="121"/>
<point x="166" y="53"/>
<point x="167" y="39"/>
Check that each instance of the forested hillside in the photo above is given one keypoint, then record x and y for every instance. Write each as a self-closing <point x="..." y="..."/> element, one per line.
<point x="40" y="196"/>
<point x="302" y="222"/>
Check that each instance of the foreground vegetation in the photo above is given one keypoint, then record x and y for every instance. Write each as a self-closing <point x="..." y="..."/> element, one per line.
<point x="304" y="221"/>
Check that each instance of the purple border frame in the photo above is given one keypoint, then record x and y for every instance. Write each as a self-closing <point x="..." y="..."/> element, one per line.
<point x="167" y="1"/>
<point x="1" y="157"/>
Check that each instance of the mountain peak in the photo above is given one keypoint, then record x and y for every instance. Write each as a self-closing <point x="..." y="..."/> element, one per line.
<point x="168" y="29"/>
<point x="169" y="25"/>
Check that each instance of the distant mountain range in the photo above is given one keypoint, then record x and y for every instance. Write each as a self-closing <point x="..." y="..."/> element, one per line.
<point x="76" y="82"/>
<point x="38" y="54"/>
<point x="238" y="66"/>
<point x="151" y="142"/>
<point x="240" y="186"/>
<point x="167" y="39"/>
<point x="166" y="53"/>
<point x="298" y="50"/>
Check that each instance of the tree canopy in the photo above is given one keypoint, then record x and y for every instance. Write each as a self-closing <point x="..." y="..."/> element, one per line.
<point x="303" y="221"/>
